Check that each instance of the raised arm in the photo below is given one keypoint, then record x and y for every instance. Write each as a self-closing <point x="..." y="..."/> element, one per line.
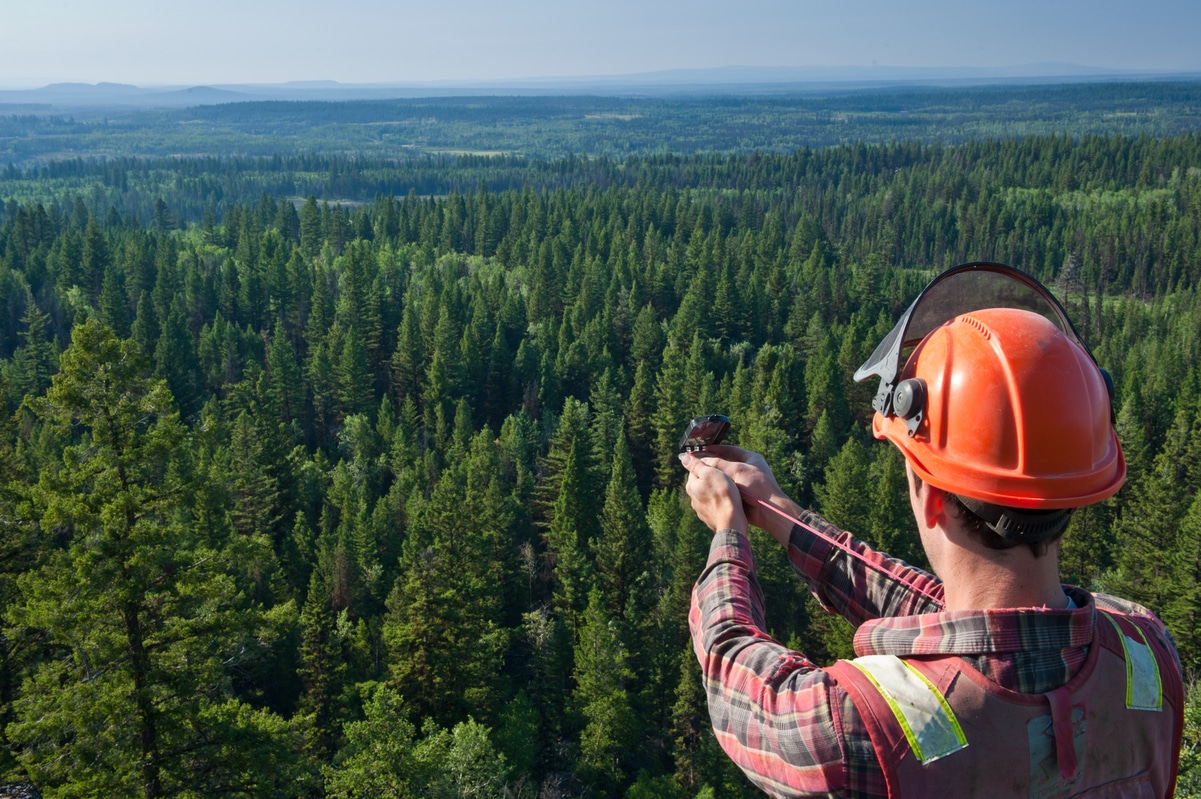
<point x="847" y="576"/>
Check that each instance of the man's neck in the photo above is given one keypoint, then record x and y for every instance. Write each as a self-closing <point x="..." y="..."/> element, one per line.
<point x="1011" y="579"/>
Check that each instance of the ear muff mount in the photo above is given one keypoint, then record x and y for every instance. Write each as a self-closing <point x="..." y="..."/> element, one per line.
<point x="909" y="402"/>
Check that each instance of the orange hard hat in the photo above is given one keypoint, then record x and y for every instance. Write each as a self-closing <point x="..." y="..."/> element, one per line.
<point x="1015" y="414"/>
<point x="1001" y="405"/>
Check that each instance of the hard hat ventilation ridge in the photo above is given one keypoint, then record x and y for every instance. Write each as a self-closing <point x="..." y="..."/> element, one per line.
<point x="976" y="324"/>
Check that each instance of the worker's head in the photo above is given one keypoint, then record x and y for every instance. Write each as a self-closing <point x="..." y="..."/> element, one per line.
<point x="1005" y="411"/>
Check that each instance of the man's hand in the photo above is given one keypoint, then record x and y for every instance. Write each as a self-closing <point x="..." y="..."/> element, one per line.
<point x="715" y="498"/>
<point x="750" y="473"/>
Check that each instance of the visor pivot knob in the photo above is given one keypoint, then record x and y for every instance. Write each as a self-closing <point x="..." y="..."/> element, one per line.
<point x="909" y="401"/>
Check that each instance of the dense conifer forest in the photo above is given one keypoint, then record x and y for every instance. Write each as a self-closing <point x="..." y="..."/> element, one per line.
<point x="770" y="118"/>
<point x="380" y="498"/>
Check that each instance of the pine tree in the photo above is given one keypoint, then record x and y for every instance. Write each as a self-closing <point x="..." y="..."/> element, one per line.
<point x="377" y="759"/>
<point x="322" y="380"/>
<point x="443" y="626"/>
<point x="310" y="227"/>
<point x="568" y="536"/>
<point x="114" y="304"/>
<point x="286" y="383"/>
<point x="321" y="670"/>
<point x="140" y="611"/>
<point x="890" y="518"/>
<point x="176" y="362"/>
<point x="354" y="376"/>
<point x="839" y="497"/>
<point x="254" y="490"/>
<point x="647" y="343"/>
<point x="699" y="761"/>
<point x="1148" y="526"/>
<point x="623" y="551"/>
<point x="639" y="410"/>
<point x="1182" y="610"/>
<point x="66" y="260"/>
<point x="35" y="361"/>
<point x="146" y="330"/>
<point x="95" y="257"/>
<point x="670" y="416"/>
<point x="600" y="673"/>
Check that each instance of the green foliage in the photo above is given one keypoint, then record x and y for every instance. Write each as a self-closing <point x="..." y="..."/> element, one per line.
<point x="384" y="758"/>
<point x="140" y="609"/>
<point x="262" y="495"/>
<point x="377" y="759"/>
<point x="1188" y="783"/>
<point x="600" y="696"/>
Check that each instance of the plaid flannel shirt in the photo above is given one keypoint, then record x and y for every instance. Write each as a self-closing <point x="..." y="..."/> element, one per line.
<point x="785" y="722"/>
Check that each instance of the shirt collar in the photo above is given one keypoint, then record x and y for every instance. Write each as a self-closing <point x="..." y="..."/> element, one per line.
<point x="981" y="632"/>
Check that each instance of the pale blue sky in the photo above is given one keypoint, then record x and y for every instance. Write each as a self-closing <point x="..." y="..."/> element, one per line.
<point x="373" y="41"/>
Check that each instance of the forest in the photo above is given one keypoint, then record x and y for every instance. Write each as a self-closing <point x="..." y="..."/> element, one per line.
<point x="780" y="119"/>
<point x="380" y="498"/>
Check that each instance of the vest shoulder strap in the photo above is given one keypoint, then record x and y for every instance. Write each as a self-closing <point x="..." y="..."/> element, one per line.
<point x="1144" y="684"/>
<point x="927" y="721"/>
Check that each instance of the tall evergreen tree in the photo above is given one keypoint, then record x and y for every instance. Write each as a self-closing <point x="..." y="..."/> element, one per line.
<point x="114" y="303"/>
<point x="35" y="361"/>
<point x="140" y="611"/>
<point x="567" y="537"/>
<point x="623" y="551"/>
<point x="354" y="376"/>
<point x="600" y="696"/>
<point x="176" y="362"/>
<point x="443" y="626"/>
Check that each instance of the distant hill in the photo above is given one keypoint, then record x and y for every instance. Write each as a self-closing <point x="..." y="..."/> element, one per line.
<point x="742" y="80"/>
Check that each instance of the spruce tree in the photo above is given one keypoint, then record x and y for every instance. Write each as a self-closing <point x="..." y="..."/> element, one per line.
<point x="567" y="537"/>
<point x="623" y="550"/>
<point x="139" y="610"/>
<point x="35" y="361"/>
<point x="610" y="725"/>
<point x="176" y="362"/>
<point x="114" y="304"/>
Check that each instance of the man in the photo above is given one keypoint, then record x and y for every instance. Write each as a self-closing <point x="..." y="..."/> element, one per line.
<point x="991" y="678"/>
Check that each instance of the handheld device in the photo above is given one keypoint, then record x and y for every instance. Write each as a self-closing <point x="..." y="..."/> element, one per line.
<point x="704" y="431"/>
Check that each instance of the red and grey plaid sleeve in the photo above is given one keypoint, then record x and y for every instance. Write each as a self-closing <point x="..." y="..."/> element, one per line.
<point x="848" y="585"/>
<point x="781" y="719"/>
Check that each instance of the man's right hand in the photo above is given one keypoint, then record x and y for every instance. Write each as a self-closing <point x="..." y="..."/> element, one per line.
<point x="753" y="476"/>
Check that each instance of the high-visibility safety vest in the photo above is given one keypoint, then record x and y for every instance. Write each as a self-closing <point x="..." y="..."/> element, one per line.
<point x="941" y="728"/>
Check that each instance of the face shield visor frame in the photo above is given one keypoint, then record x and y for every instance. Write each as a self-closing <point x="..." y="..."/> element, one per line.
<point x="969" y="287"/>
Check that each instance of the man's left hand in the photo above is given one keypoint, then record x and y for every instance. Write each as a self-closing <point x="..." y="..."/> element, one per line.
<point x="715" y="498"/>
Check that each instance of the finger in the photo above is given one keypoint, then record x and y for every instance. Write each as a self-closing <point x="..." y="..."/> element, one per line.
<point x="697" y="468"/>
<point x="727" y="452"/>
<point x="710" y="459"/>
<point x="701" y="472"/>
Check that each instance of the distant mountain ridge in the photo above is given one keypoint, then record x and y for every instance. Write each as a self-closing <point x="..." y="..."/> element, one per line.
<point x="716" y="80"/>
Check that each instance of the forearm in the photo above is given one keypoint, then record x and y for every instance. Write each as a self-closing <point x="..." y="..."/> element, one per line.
<point x="771" y="708"/>
<point x="860" y="586"/>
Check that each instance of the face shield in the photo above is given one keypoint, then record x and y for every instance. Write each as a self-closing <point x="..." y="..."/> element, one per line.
<point x="960" y="290"/>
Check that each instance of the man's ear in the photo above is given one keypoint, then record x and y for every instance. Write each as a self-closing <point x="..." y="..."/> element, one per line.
<point x="932" y="502"/>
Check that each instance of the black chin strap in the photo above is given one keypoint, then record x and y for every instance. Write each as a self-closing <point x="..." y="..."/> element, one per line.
<point x="1012" y="524"/>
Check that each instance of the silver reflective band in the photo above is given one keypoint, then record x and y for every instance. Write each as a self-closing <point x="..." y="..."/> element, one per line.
<point x="929" y="725"/>
<point x="1144" y="688"/>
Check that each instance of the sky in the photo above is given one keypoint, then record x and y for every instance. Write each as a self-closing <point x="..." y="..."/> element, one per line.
<point x="172" y="42"/>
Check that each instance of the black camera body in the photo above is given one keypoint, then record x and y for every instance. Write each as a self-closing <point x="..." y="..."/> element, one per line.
<point x="704" y="431"/>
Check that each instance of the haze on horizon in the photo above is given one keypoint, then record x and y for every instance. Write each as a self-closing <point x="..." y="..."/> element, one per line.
<point x="156" y="42"/>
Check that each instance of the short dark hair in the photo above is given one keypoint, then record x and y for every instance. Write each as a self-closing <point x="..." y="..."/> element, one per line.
<point x="982" y="531"/>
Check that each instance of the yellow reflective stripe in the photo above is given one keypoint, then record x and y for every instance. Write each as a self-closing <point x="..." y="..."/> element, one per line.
<point x="926" y="719"/>
<point x="1144" y="686"/>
